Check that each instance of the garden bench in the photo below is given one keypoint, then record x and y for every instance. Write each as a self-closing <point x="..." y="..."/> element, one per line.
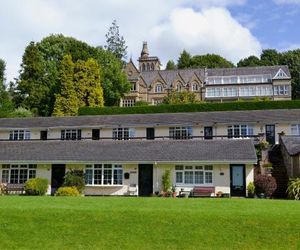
<point x="202" y="191"/>
<point x="10" y="187"/>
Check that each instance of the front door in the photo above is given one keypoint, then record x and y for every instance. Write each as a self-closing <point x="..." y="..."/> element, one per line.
<point x="208" y="133"/>
<point x="270" y="134"/>
<point x="145" y="179"/>
<point x="237" y="180"/>
<point x="150" y="133"/>
<point x="95" y="134"/>
<point x="57" y="176"/>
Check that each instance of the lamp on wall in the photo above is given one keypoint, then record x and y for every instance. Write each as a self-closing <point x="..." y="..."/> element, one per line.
<point x="221" y="171"/>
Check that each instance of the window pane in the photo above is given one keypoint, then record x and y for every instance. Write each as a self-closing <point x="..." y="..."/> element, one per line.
<point x="97" y="176"/>
<point x="199" y="177"/>
<point x="179" y="177"/>
<point x="208" y="177"/>
<point x="23" y="176"/>
<point x="188" y="177"/>
<point x="5" y="175"/>
<point x="118" y="176"/>
<point x="14" y="176"/>
<point x="89" y="176"/>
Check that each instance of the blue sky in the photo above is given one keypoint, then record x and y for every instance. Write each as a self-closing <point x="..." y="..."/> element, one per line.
<point x="276" y="24"/>
<point x="234" y="29"/>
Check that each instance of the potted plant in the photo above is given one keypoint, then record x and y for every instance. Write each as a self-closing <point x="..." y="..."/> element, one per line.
<point x="166" y="183"/>
<point x="251" y="190"/>
<point x="174" y="193"/>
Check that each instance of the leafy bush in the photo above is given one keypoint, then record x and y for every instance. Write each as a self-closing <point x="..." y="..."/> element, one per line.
<point x="293" y="189"/>
<point x="36" y="186"/>
<point x="67" y="191"/>
<point x="141" y="103"/>
<point x="166" y="181"/>
<point x="75" y="178"/>
<point x="194" y="107"/>
<point x="251" y="189"/>
<point x="265" y="184"/>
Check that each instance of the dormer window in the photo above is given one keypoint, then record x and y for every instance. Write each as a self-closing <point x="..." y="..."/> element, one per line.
<point x="158" y="88"/>
<point x="178" y="87"/>
<point x="194" y="87"/>
<point x="133" y="87"/>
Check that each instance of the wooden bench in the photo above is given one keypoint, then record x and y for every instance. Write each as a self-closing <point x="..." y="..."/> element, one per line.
<point x="10" y="187"/>
<point x="202" y="191"/>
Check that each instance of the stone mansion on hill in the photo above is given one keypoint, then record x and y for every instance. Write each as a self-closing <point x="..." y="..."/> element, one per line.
<point x="151" y="84"/>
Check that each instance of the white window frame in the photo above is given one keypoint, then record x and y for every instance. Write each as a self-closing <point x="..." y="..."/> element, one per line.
<point x="195" y="87"/>
<point x="70" y="134"/>
<point x="110" y="174"/>
<point x="240" y="131"/>
<point x="185" y="171"/>
<point x="281" y="90"/>
<point x="158" y="88"/>
<point x="19" y="172"/>
<point x="180" y="133"/>
<point x="19" y="135"/>
<point x="123" y="133"/>
<point x="295" y="129"/>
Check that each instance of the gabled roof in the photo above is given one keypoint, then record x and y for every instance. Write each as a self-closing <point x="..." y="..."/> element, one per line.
<point x="215" y="151"/>
<point x="187" y="74"/>
<point x="260" y="70"/>
<point x="292" y="144"/>
<point x="285" y="116"/>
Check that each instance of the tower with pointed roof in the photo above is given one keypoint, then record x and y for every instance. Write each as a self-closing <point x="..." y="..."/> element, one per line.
<point x="146" y="62"/>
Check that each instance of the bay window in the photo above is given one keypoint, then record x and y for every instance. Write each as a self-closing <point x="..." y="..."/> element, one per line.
<point x="104" y="174"/>
<point x="194" y="175"/>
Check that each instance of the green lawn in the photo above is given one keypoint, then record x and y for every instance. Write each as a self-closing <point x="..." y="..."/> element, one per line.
<point x="147" y="223"/>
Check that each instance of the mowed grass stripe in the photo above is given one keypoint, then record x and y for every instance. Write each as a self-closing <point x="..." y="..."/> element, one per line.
<point x="147" y="223"/>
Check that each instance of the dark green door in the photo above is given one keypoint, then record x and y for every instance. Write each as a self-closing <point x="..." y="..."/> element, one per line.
<point x="145" y="179"/>
<point x="237" y="180"/>
<point x="57" y="176"/>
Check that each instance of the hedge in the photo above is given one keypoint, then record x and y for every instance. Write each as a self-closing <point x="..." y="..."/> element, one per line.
<point x="199" y="107"/>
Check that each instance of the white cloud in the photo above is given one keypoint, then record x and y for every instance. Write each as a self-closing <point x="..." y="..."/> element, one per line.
<point x="211" y="30"/>
<point x="202" y="26"/>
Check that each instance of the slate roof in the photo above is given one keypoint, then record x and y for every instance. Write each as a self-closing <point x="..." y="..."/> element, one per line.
<point x="187" y="74"/>
<point x="292" y="144"/>
<point x="261" y="70"/>
<point x="231" y="151"/>
<point x="164" y="119"/>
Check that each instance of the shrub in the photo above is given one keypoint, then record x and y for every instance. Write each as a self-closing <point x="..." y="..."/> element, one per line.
<point x="141" y="103"/>
<point x="251" y="189"/>
<point x="293" y="189"/>
<point x="193" y="107"/>
<point x="2" y="188"/>
<point x="36" y="186"/>
<point x="265" y="184"/>
<point x="67" y="191"/>
<point x="75" y="178"/>
<point x="166" y="181"/>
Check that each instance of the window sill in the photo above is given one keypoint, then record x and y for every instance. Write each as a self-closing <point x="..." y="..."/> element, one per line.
<point x="193" y="185"/>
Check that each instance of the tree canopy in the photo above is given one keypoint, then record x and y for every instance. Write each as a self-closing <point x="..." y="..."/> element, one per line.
<point x="115" y="43"/>
<point x="80" y="86"/>
<point x="170" y="65"/>
<point x="40" y="81"/>
<point x="185" y="60"/>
